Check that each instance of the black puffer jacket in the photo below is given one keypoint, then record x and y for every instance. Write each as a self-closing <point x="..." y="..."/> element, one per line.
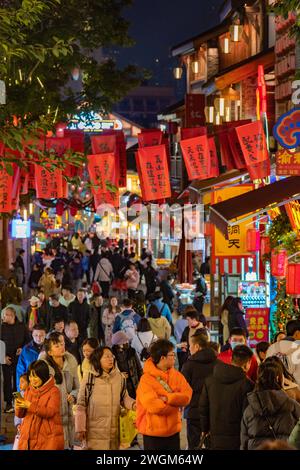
<point x="222" y="402"/>
<point x="196" y="369"/>
<point x="282" y="412"/>
<point x="80" y="313"/>
<point x="14" y="336"/>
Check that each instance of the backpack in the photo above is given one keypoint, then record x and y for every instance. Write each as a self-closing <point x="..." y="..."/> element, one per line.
<point x="127" y="325"/>
<point x="145" y="352"/>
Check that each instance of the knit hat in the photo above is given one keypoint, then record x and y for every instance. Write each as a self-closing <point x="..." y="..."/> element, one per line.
<point x="119" y="338"/>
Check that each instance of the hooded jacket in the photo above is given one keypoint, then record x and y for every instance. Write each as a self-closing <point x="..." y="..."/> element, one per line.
<point x="226" y="356"/>
<point x="156" y="417"/>
<point x="282" y="413"/>
<point x="289" y="352"/>
<point x="222" y="402"/>
<point x="41" y="428"/>
<point x="196" y="369"/>
<point x="29" y="354"/>
<point x="160" y="327"/>
<point x="99" y="418"/>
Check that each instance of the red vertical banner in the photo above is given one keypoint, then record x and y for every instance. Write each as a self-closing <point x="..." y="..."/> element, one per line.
<point x="59" y="145"/>
<point x="16" y="187"/>
<point x="214" y="162"/>
<point x="190" y="132"/>
<point x="150" y="138"/>
<point x="48" y="184"/>
<point x="24" y="179"/>
<point x="154" y="171"/>
<point x="31" y="176"/>
<point x="253" y="142"/>
<point x="103" y="144"/>
<point x="122" y="165"/>
<point x="77" y="139"/>
<point x="6" y="185"/>
<point x="226" y="155"/>
<point x="236" y="149"/>
<point x="194" y="110"/>
<point x="258" y="325"/>
<point x="101" y="169"/>
<point x="196" y="157"/>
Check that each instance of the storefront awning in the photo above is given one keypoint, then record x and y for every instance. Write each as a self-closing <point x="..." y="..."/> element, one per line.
<point x="260" y="200"/>
<point x="239" y="72"/>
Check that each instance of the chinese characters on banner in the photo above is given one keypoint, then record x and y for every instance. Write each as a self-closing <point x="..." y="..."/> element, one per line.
<point x="153" y="170"/>
<point x="236" y="244"/>
<point x="6" y="184"/>
<point x="150" y="138"/>
<point x="101" y="169"/>
<point x="258" y="325"/>
<point x="103" y="144"/>
<point x="253" y="142"/>
<point x="49" y="184"/>
<point x="196" y="157"/>
<point x="287" y="163"/>
<point x="214" y="162"/>
<point x="194" y="110"/>
<point x="16" y="187"/>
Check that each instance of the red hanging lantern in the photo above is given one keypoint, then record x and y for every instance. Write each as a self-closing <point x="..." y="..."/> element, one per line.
<point x="293" y="280"/>
<point x="73" y="211"/>
<point x="60" y="208"/>
<point x="265" y="246"/>
<point x="253" y="240"/>
<point x="279" y="263"/>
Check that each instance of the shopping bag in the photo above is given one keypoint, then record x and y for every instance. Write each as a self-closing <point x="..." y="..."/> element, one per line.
<point x="16" y="442"/>
<point x="128" y="430"/>
<point x="96" y="289"/>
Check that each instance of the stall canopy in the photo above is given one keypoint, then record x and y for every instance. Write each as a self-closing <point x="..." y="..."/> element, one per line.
<point x="255" y="202"/>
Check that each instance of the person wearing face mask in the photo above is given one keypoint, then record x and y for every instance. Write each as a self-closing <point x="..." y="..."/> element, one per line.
<point x="223" y="400"/>
<point x="31" y="351"/>
<point x="127" y="361"/>
<point x="41" y="428"/>
<point x="236" y="338"/>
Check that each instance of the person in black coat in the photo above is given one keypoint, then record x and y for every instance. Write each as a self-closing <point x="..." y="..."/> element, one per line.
<point x="117" y="262"/>
<point x="72" y="340"/>
<point x="236" y="318"/>
<point x="271" y="413"/>
<point x="79" y="311"/>
<point x="34" y="277"/>
<point x="150" y="278"/>
<point x="223" y="400"/>
<point x="167" y="292"/>
<point x="15" y="335"/>
<point x="197" y="368"/>
<point x="56" y="311"/>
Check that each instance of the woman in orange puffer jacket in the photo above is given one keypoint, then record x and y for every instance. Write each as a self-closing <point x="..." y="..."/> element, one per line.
<point x="161" y="394"/>
<point x="41" y="428"/>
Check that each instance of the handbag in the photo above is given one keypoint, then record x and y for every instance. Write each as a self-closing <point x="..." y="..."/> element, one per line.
<point x="16" y="442"/>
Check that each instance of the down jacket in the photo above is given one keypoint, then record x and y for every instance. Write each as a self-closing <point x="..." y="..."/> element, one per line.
<point x="41" y="428"/>
<point x="99" y="418"/>
<point x="156" y="417"/>
<point x="282" y="412"/>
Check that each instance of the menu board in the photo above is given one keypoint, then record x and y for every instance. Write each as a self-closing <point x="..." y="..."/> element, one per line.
<point x="252" y="293"/>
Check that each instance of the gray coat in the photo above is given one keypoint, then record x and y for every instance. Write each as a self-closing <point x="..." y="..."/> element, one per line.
<point x="100" y="419"/>
<point x="69" y="386"/>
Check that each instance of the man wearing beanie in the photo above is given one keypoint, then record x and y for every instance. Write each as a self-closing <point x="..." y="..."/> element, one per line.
<point x="127" y="360"/>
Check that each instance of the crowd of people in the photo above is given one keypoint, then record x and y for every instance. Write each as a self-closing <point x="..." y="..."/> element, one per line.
<point x="103" y="332"/>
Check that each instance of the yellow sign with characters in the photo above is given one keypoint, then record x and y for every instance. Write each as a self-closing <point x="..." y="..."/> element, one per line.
<point x="236" y="244"/>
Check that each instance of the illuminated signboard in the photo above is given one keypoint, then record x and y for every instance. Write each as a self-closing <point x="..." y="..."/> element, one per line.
<point x="93" y="122"/>
<point x="20" y="228"/>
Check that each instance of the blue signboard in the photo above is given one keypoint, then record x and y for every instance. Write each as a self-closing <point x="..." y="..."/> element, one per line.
<point x="20" y="228"/>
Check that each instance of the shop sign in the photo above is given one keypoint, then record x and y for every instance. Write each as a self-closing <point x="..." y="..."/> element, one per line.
<point x="20" y="228"/>
<point x="287" y="129"/>
<point x="236" y="244"/>
<point x="258" y="325"/>
<point x="93" y="122"/>
<point x="287" y="163"/>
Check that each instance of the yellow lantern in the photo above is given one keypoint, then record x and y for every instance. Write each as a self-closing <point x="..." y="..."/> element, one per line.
<point x="195" y="66"/>
<point x="177" y="71"/>
<point x="236" y="32"/>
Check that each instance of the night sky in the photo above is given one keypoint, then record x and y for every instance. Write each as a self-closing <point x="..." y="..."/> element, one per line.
<point x="157" y="25"/>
